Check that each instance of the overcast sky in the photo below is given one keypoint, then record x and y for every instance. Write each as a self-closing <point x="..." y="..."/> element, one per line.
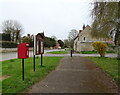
<point x="54" y="17"/>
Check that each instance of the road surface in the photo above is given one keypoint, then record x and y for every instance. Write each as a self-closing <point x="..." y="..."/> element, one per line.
<point x="13" y="55"/>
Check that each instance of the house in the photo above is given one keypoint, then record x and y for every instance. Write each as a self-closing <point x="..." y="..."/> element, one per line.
<point x="83" y="40"/>
<point x="57" y="45"/>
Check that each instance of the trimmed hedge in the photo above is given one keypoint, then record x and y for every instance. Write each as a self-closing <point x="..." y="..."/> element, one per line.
<point x="8" y="45"/>
<point x="5" y="37"/>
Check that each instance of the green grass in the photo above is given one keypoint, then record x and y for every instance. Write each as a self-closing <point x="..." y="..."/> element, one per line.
<point x="58" y="52"/>
<point x="68" y="49"/>
<point x="0" y="86"/>
<point x="94" y="52"/>
<point x="109" y="65"/>
<point x="14" y="84"/>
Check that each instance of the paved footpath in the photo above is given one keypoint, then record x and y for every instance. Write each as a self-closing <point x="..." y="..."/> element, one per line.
<point x="75" y="75"/>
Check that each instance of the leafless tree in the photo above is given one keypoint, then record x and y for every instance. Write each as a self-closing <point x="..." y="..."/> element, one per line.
<point x="72" y="34"/>
<point x="54" y="37"/>
<point x="14" y="28"/>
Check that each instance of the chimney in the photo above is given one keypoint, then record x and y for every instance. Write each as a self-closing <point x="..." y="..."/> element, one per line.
<point x="80" y="31"/>
<point x="83" y="26"/>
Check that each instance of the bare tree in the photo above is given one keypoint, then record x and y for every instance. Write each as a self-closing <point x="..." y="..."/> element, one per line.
<point x="54" y="37"/>
<point x="14" y="28"/>
<point x="72" y="34"/>
<point x="66" y="43"/>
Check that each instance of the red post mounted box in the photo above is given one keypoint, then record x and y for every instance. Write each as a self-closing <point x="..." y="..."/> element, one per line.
<point x="23" y="50"/>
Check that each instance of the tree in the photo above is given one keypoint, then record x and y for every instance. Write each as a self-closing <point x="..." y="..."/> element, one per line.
<point x="72" y="34"/>
<point x="54" y="37"/>
<point x="61" y="43"/>
<point x="49" y="42"/>
<point x="14" y="28"/>
<point x="66" y="43"/>
<point x="106" y="18"/>
<point x="27" y="39"/>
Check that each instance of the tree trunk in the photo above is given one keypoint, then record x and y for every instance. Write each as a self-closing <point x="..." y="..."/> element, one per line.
<point x="102" y="54"/>
<point x="118" y="57"/>
<point x="118" y="28"/>
<point x="117" y="43"/>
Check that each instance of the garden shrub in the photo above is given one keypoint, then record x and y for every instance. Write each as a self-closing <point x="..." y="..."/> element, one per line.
<point x="100" y="48"/>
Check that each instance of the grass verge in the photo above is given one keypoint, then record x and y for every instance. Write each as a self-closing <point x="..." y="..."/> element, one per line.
<point x="58" y="52"/>
<point x="109" y="65"/>
<point x="94" y="52"/>
<point x="12" y="68"/>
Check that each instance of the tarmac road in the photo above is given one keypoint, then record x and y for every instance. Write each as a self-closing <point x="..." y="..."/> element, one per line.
<point x="13" y="55"/>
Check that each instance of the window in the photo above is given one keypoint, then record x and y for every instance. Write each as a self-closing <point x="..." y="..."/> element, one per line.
<point x="84" y="38"/>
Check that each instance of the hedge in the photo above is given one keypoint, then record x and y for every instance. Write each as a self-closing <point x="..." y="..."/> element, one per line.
<point x="8" y="45"/>
<point x="5" y="37"/>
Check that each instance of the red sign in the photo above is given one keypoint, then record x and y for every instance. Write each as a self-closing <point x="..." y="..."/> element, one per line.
<point x="23" y="50"/>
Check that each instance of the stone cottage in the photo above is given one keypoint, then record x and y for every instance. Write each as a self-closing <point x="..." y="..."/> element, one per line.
<point x="84" y="40"/>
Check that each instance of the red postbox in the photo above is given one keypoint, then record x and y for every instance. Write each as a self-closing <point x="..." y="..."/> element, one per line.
<point x="23" y="50"/>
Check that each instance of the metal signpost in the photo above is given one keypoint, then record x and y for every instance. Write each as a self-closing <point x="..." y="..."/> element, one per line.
<point x="22" y="68"/>
<point x="42" y="51"/>
<point x="34" y="53"/>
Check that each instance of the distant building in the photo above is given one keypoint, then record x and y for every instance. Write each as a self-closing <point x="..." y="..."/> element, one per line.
<point x="83" y="40"/>
<point x="57" y="45"/>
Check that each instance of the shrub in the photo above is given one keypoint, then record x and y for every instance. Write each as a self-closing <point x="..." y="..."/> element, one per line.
<point x="100" y="48"/>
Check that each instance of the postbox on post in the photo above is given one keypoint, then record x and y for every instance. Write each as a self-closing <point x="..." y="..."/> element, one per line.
<point x="23" y="52"/>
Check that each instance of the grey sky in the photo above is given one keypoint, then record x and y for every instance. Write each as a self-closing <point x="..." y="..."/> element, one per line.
<point x="54" y="17"/>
